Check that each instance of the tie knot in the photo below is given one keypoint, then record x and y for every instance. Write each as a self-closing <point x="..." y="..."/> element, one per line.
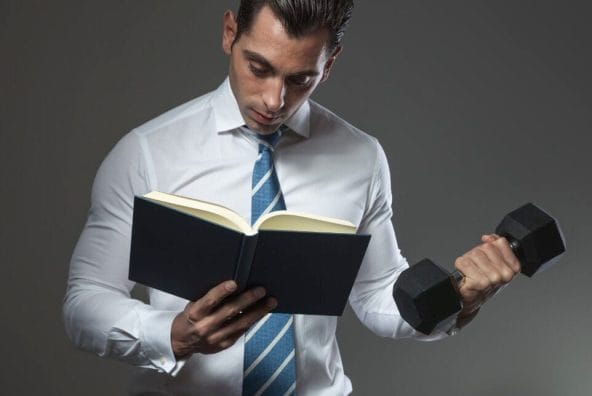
<point x="271" y="140"/>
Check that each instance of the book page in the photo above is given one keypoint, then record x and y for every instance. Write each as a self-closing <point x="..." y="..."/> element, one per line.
<point x="204" y="210"/>
<point x="289" y="221"/>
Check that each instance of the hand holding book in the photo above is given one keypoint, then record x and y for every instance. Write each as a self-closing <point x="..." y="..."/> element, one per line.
<point x="218" y="319"/>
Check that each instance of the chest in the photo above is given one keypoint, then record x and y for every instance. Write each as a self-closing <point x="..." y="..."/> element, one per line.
<point x="317" y="183"/>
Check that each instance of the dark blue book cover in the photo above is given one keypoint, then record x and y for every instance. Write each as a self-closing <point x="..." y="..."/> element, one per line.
<point x="178" y="253"/>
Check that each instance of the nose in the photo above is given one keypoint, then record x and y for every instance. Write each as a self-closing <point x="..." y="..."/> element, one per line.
<point x="273" y="95"/>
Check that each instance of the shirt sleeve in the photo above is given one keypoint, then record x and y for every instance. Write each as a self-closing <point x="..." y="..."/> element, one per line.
<point x="371" y="297"/>
<point x="99" y="314"/>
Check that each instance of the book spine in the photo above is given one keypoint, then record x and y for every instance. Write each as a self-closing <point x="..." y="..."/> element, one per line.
<point x="245" y="259"/>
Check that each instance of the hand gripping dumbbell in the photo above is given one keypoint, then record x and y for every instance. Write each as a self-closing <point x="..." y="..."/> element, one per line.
<point x="426" y="294"/>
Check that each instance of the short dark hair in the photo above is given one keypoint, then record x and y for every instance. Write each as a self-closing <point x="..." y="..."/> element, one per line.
<point x="300" y="17"/>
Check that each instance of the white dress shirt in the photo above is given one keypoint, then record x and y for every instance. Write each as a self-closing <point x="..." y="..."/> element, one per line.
<point x="325" y="166"/>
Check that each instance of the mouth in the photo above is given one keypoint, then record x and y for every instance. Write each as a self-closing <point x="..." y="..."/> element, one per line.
<point x="265" y="119"/>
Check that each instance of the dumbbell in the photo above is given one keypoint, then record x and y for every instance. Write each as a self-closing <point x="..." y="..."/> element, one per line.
<point x="426" y="294"/>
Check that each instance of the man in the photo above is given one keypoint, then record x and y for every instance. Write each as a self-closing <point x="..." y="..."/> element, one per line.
<point x="279" y="52"/>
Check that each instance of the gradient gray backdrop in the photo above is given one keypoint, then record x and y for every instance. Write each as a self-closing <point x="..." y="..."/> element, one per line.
<point x="480" y="106"/>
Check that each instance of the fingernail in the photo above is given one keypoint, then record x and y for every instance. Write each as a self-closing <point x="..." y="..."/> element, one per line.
<point x="259" y="292"/>
<point x="230" y="286"/>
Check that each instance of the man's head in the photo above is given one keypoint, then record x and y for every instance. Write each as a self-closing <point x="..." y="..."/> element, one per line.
<point x="280" y="50"/>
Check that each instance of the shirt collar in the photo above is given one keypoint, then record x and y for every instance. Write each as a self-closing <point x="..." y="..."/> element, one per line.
<point x="228" y="117"/>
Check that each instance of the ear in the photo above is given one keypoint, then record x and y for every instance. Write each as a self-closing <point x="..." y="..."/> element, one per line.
<point x="229" y="31"/>
<point x="329" y="63"/>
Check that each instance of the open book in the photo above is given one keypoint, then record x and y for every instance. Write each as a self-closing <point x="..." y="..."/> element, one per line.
<point x="186" y="247"/>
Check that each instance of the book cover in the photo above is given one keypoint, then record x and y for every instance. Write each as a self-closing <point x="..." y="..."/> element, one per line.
<point x="185" y="255"/>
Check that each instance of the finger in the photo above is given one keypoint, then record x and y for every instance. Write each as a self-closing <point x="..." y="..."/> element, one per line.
<point x="233" y="307"/>
<point x="493" y="264"/>
<point x="474" y="285"/>
<point x="474" y="280"/>
<point x="508" y="254"/>
<point x="202" y="307"/>
<point x="489" y="238"/>
<point x="238" y="325"/>
<point x="229" y="341"/>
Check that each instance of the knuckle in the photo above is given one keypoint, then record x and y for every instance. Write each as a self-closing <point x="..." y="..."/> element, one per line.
<point x="232" y="312"/>
<point x="489" y="248"/>
<point x="496" y="278"/>
<point x="507" y="275"/>
<point x="212" y="340"/>
<point x="482" y="283"/>
<point x="227" y="343"/>
<point x="209" y="302"/>
<point x="460" y="262"/>
<point x="201" y="330"/>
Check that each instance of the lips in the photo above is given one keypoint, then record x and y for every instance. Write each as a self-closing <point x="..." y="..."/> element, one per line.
<point x="263" y="119"/>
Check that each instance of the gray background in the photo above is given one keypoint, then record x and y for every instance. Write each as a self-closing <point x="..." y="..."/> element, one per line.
<point x="480" y="106"/>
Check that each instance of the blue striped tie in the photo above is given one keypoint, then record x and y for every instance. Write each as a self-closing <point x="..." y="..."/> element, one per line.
<point x="269" y="362"/>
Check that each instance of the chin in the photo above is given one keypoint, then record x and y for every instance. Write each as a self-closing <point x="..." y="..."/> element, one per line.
<point x="262" y="128"/>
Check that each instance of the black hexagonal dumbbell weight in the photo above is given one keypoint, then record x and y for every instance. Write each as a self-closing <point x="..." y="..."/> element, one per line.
<point x="426" y="294"/>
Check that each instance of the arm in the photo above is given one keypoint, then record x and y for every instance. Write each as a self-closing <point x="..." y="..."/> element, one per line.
<point x="486" y="267"/>
<point x="99" y="314"/>
<point x="371" y="297"/>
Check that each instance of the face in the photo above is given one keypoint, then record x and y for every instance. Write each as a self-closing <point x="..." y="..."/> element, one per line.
<point x="272" y="74"/>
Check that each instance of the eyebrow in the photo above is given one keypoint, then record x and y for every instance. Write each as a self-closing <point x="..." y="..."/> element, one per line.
<point x="255" y="57"/>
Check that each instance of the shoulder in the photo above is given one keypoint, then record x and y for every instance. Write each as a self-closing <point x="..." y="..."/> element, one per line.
<point x="160" y="129"/>
<point x="336" y="132"/>
<point x="139" y="151"/>
<point x="196" y="110"/>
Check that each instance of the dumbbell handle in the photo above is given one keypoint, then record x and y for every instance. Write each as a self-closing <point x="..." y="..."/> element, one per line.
<point x="458" y="276"/>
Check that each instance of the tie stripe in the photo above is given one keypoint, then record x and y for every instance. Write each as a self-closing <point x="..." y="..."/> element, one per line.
<point x="290" y="390"/>
<point x="269" y="347"/>
<point x="269" y="359"/>
<point x="267" y="144"/>
<point x="256" y="328"/>
<point x="276" y="374"/>
<point x="266" y="195"/>
<point x="266" y="366"/>
<point x="273" y="204"/>
<point x="262" y="181"/>
<point x="273" y="324"/>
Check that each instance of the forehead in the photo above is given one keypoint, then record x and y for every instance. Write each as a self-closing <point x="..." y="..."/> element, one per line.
<point x="269" y="38"/>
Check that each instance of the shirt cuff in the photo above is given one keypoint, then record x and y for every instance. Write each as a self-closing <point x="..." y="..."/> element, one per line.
<point x="156" y="340"/>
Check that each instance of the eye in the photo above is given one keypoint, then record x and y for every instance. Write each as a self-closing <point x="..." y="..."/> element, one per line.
<point x="258" y="71"/>
<point x="299" y="81"/>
